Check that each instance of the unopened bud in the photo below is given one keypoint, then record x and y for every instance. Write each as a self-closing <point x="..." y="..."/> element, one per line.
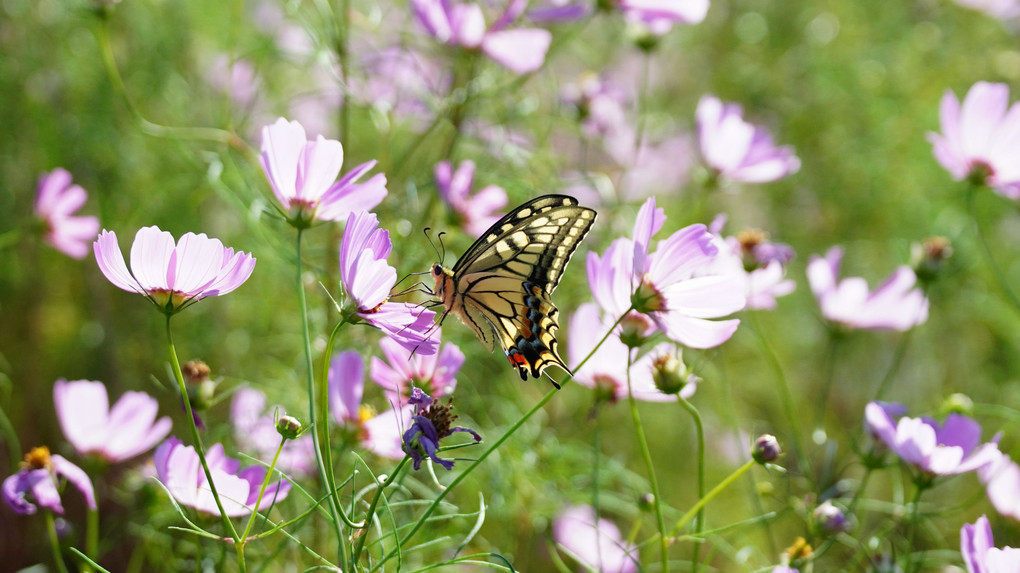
<point x="646" y="502"/>
<point x="830" y="518"/>
<point x="671" y="375"/>
<point x="766" y="449"/>
<point x="195" y="371"/>
<point x="957" y="404"/>
<point x="928" y="258"/>
<point x="289" y="427"/>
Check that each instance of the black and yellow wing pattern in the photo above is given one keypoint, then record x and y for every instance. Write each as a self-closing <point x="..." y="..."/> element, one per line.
<point x="502" y="285"/>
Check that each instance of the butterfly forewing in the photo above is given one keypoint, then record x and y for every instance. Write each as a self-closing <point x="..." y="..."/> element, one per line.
<point x="502" y="284"/>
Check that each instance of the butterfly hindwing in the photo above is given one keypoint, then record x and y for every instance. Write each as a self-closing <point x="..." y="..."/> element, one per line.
<point x="501" y="287"/>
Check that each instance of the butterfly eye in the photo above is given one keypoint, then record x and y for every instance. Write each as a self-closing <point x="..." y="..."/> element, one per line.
<point x="437" y="270"/>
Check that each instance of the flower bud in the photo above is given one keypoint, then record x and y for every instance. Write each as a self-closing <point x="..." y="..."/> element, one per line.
<point x="288" y="427"/>
<point x="671" y="376"/>
<point x="646" y="502"/>
<point x="928" y="258"/>
<point x="957" y="404"/>
<point x="201" y="388"/>
<point x="830" y="518"/>
<point x="766" y="449"/>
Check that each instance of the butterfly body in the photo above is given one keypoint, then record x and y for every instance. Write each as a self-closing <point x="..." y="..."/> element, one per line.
<point x="501" y="287"/>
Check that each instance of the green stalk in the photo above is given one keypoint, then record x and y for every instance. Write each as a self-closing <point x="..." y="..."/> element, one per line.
<point x="699" y="525"/>
<point x="262" y="492"/>
<point x="92" y="534"/>
<point x="51" y="529"/>
<point x="693" y="511"/>
<point x="986" y="250"/>
<point x="195" y="436"/>
<point x="646" y="455"/>
<point x="371" y="510"/>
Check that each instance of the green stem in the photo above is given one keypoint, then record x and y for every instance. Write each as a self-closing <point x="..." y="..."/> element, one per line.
<point x="327" y="450"/>
<point x="646" y="454"/>
<point x="922" y="484"/>
<point x="460" y="477"/>
<point x="371" y="510"/>
<point x="986" y="250"/>
<point x="699" y="524"/>
<point x="343" y="55"/>
<point x="195" y="436"/>
<point x="318" y="446"/>
<point x="262" y="492"/>
<point x="901" y="351"/>
<point x="239" y="551"/>
<point x="92" y="534"/>
<point x="692" y="512"/>
<point x="10" y="438"/>
<point x="51" y="528"/>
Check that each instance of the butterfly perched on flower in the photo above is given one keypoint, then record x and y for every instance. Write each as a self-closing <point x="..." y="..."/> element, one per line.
<point x="501" y="287"/>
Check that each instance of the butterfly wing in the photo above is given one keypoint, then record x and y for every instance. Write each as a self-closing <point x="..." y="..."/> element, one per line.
<point x="504" y="281"/>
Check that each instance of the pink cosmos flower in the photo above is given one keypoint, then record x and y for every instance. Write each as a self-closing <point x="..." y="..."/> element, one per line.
<point x="594" y="543"/>
<point x="980" y="554"/>
<point x="56" y="201"/>
<point x="606" y="370"/>
<point x="368" y="279"/>
<point x="436" y="374"/>
<point x="759" y="264"/>
<point x="38" y="477"/>
<point x="180" y="471"/>
<point x="660" y="15"/>
<point x="521" y="50"/>
<point x="981" y="139"/>
<point x="116" y="434"/>
<point x="894" y="305"/>
<point x="599" y="103"/>
<point x="255" y="433"/>
<point x="1002" y="484"/>
<point x="173" y="277"/>
<point x="675" y="286"/>
<point x="937" y="449"/>
<point x="478" y="212"/>
<point x="737" y="150"/>
<point x="303" y="176"/>
<point x="380" y="434"/>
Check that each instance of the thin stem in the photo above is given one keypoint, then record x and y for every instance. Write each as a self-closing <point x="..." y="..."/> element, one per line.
<point x="646" y="454"/>
<point x="262" y="492"/>
<point x="343" y="54"/>
<point x="922" y="484"/>
<point x="10" y="438"/>
<point x="699" y="524"/>
<point x="986" y="250"/>
<point x="513" y="428"/>
<point x="51" y="529"/>
<point x="711" y="495"/>
<point x="792" y="415"/>
<point x="92" y="533"/>
<point x="327" y="450"/>
<point x="371" y="510"/>
<point x="195" y="436"/>
<point x="239" y="551"/>
<point x="897" y="360"/>
<point x="317" y="441"/>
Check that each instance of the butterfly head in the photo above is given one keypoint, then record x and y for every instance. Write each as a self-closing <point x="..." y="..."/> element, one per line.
<point x="443" y="277"/>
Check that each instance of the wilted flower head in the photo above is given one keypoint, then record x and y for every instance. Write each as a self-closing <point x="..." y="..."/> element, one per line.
<point x="520" y="50"/>
<point x="430" y="423"/>
<point x="951" y="447"/>
<point x="379" y="434"/>
<point x="981" y="139"/>
<point x="303" y="176"/>
<point x="606" y="370"/>
<point x="173" y="277"/>
<point x="760" y="264"/>
<point x="367" y="279"/>
<point x="737" y="150"/>
<point x="675" y="286"/>
<point x="979" y="552"/>
<point x="594" y="543"/>
<point x="56" y="201"/>
<point x="117" y="434"/>
<point x="38" y="478"/>
<point x="256" y="433"/>
<point x="894" y="305"/>
<point x="478" y="212"/>
<point x="435" y="374"/>
<point x="180" y="471"/>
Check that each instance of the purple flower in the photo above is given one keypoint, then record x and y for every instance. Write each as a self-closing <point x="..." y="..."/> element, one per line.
<point x="894" y="305"/>
<point x="173" y="277"/>
<point x="367" y="279"/>
<point x="521" y="50"/>
<point x="429" y="424"/>
<point x="1002" y="484"/>
<point x="56" y="201"/>
<point x="737" y="150"/>
<point x="660" y="15"/>
<point x="980" y="554"/>
<point x="760" y="265"/>
<point x="981" y="139"/>
<point x="303" y="176"/>
<point x="255" y="432"/>
<point x="606" y="370"/>
<point x="596" y="544"/>
<point x="599" y="103"/>
<point x="380" y="434"/>
<point x="675" y="286"/>
<point x="784" y="569"/>
<point x="436" y="373"/>
<point x="116" y="434"/>
<point x="477" y="213"/>
<point x="38" y="477"/>
<point x="180" y="471"/>
<point x="937" y="449"/>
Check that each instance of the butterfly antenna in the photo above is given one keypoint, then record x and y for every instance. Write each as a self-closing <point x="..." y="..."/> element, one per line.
<point x="441" y="256"/>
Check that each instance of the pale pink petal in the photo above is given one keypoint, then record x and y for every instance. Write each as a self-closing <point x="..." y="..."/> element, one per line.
<point x="695" y="332"/>
<point x="111" y="262"/>
<point x="346" y="386"/>
<point x="76" y="477"/>
<point x="521" y="51"/>
<point x="151" y="256"/>
<point x="196" y="263"/>
<point x="83" y="412"/>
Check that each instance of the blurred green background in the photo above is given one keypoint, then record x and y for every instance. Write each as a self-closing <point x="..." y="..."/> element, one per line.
<point x="854" y="87"/>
